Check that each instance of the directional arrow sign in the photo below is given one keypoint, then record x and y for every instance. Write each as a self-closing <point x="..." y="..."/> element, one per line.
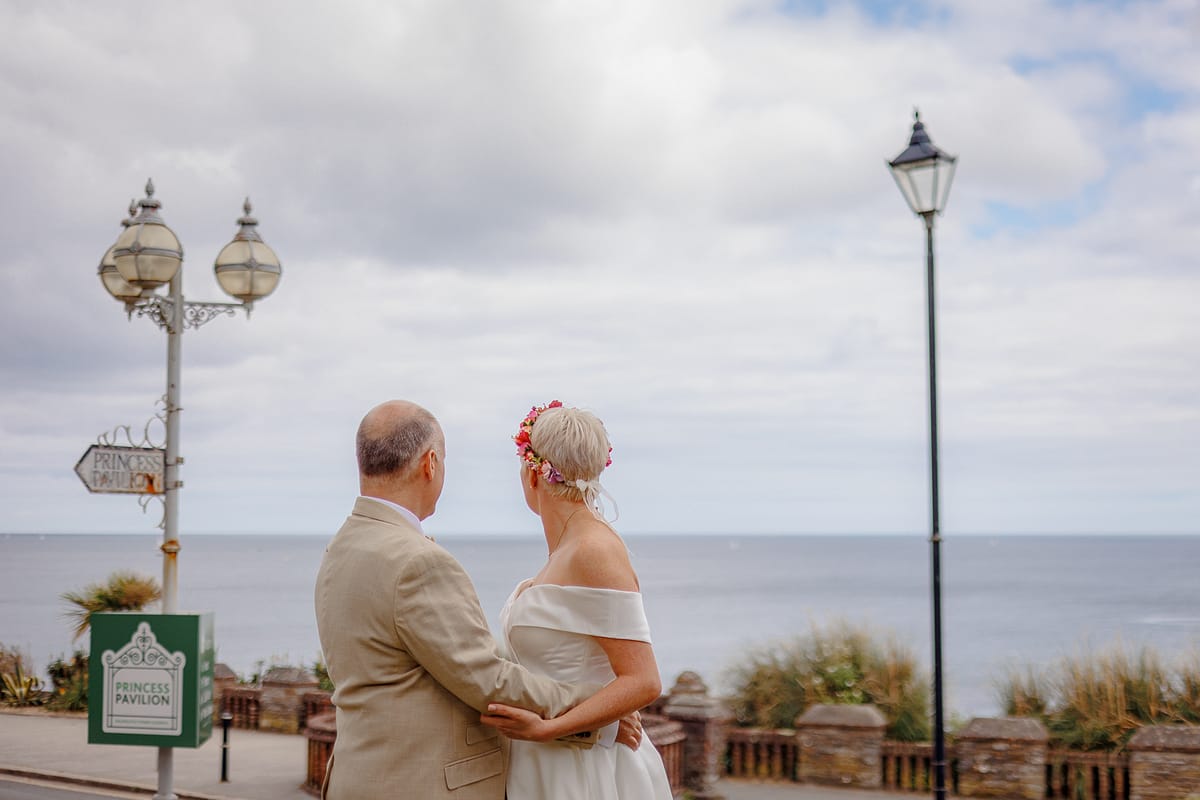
<point x="122" y="470"/>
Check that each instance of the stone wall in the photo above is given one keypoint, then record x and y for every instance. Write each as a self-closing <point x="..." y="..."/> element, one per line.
<point x="1003" y="757"/>
<point x="705" y="721"/>
<point x="281" y="702"/>
<point x="281" y="705"/>
<point x="1164" y="763"/>
<point x="841" y="745"/>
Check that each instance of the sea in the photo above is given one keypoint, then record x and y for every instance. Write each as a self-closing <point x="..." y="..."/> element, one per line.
<point x="1009" y="601"/>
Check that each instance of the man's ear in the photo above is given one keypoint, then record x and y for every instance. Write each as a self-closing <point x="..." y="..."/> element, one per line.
<point x="430" y="464"/>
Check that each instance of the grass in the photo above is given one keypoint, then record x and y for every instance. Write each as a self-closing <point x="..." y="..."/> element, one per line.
<point x="840" y="663"/>
<point x="1098" y="700"/>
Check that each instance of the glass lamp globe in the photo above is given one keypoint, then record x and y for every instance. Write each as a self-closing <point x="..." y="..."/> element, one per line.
<point x="110" y="278"/>
<point x="117" y="286"/>
<point x="247" y="268"/>
<point x="923" y="172"/>
<point x="148" y="253"/>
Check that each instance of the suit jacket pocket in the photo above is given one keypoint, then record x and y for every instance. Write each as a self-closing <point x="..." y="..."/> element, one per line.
<point x="480" y="733"/>
<point x="474" y="769"/>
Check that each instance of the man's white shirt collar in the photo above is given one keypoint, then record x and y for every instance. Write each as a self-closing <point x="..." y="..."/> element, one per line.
<point x="404" y="512"/>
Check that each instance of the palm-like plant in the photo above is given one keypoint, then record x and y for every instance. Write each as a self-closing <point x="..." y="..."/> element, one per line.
<point x="124" y="591"/>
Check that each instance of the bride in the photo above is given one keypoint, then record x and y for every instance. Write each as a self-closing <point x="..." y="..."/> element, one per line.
<point x="579" y="619"/>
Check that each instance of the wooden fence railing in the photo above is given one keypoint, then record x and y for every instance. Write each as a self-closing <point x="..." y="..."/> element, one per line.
<point x="315" y="704"/>
<point x="243" y="703"/>
<point x="1087" y="776"/>
<point x="667" y="737"/>
<point x="321" y="733"/>
<point x="908" y="766"/>
<point x="763" y="754"/>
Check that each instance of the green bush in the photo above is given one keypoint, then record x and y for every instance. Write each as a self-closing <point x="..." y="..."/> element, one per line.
<point x="839" y="664"/>
<point x="70" y="682"/>
<point x="1097" y="701"/>
<point x="322" y="672"/>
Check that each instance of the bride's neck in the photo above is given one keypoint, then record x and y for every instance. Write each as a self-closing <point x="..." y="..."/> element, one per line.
<point x="556" y="519"/>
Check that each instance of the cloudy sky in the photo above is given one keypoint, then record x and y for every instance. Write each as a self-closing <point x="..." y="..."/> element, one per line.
<point x="675" y="213"/>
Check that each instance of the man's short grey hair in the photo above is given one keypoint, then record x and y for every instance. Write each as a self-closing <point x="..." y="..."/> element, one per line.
<point x="395" y="447"/>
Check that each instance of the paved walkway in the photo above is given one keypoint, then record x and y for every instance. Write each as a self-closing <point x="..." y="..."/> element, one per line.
<point x="263" y="766"/>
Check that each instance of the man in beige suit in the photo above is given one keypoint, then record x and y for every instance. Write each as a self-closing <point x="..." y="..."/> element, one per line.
<point x="407" y="645"/>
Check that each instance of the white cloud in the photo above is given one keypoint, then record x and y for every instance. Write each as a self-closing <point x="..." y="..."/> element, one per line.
<point x="677" y="214"/>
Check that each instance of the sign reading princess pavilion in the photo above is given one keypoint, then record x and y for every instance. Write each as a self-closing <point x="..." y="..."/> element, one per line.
<point x="151" y="679"/>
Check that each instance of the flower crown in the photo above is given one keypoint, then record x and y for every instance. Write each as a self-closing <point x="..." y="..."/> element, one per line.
<point x="525" y="445"/>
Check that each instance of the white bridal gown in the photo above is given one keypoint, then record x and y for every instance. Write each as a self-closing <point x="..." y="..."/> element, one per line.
<point x="548" y="629"/>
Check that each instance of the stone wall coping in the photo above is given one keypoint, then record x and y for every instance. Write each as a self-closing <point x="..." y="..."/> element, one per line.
<point x="1177" y="738"/>
<point x="841" y="716"/>
<point x="1005" y="729"/>
<point x="292" y="675"/>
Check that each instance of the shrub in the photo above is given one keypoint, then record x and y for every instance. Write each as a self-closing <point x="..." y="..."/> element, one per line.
<point x="841" y="663"/>
<point x="10" y="659"/>
<point x="124" y="591"/>
<point x="322" y="672"/>
<point x="70" y="682"/>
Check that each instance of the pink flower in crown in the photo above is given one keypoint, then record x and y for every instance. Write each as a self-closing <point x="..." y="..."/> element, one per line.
<point x="525" y="445"/>
<point x="548" y="471"/>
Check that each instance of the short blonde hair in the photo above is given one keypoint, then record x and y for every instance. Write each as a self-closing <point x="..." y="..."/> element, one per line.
<point x="575" y="442"/>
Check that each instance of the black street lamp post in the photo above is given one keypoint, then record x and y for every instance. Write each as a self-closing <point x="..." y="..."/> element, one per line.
<point x="924" y="173"/>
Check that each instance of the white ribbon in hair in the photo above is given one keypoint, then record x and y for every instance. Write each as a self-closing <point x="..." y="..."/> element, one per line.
<point x="593" y="491"/>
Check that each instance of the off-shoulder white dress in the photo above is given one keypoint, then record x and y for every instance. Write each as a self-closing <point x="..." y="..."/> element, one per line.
<point x="548" y="629"/>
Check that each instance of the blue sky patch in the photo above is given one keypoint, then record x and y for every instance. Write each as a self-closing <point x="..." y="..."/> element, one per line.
<point x="1025" y="220"/>
<point x="887" y="13"/>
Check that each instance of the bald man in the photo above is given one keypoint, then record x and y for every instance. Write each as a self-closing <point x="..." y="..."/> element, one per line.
<point x="407" y="645"/>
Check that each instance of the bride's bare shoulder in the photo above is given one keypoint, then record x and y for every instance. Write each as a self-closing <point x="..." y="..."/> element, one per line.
<point x="599" y="559"/>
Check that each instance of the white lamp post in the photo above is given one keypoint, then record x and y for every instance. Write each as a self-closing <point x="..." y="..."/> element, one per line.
<point x="924" y="173"/>
<point x="145" y="256"/>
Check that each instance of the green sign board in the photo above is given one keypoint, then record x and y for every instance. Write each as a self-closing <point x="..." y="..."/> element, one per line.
<point x="150" y="679"/>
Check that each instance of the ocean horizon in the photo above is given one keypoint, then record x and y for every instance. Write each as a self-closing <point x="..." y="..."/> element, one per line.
<point x="1009" y="601"/>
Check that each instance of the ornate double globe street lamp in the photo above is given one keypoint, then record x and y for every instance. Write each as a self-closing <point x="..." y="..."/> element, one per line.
<point x="147" y="255"/>
<point x="924" y="173"/>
